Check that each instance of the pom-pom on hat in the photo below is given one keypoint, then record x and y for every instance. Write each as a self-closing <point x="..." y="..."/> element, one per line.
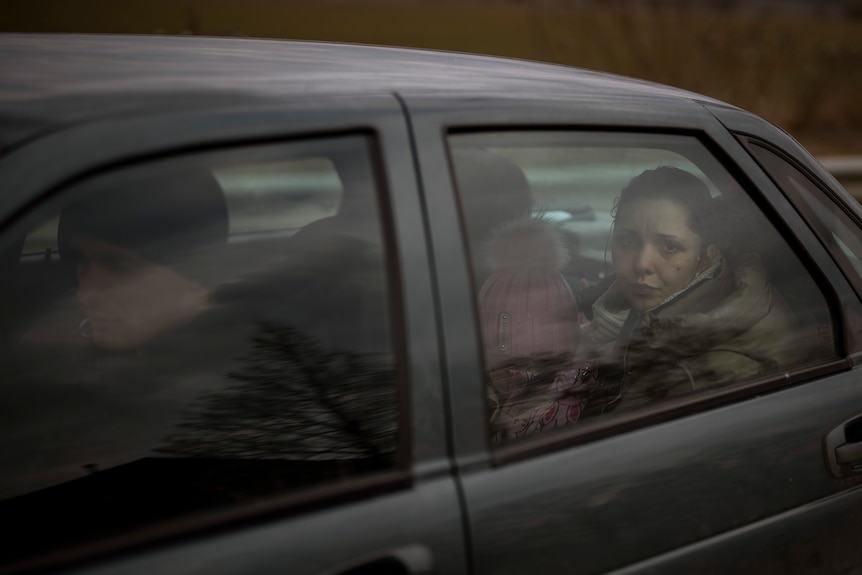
<point x="526" y="307"/>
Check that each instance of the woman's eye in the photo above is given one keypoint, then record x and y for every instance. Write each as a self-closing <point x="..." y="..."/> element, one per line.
<point x="671" y="248"/>
<point x="626" y="241"/>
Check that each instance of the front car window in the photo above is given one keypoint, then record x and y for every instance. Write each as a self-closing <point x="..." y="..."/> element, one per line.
<point x="196" y="334"/>
<point x="616" y="271"/>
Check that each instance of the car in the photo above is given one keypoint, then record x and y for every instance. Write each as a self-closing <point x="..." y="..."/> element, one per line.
<point x="245" y="285"/>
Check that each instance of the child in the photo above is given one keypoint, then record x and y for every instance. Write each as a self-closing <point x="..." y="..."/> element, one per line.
<point x="531" y="333"/>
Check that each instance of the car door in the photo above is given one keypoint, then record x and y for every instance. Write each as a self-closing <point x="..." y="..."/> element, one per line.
<point x="216" y="349"/>
<point x="732" y="478"/>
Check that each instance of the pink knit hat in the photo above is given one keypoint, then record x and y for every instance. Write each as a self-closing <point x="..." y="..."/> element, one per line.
<point x="526" y="307"/>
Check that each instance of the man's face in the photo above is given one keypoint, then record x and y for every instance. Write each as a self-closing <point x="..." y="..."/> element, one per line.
<point x="130" y="300"/>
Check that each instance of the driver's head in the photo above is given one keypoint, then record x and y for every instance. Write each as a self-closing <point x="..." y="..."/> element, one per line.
<point x="141" y="250"/>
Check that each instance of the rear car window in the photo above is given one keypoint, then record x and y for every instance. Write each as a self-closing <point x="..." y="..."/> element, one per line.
<point x="615" y="272"/>
<point x="196" y="334"/>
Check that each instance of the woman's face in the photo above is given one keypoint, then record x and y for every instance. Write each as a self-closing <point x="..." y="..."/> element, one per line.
<point x="655" y="252"/>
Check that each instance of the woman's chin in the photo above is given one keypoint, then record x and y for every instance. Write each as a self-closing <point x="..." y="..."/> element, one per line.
<point x="641" y="303"/>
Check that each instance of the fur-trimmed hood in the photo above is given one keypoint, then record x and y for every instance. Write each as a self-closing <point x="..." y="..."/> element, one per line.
<point x="731" y="327"/>
<point x="740" y="299"/>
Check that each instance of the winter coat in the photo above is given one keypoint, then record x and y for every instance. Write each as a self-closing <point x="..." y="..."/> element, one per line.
<point x="533" y="396"/>
<point x="726" y="327"/>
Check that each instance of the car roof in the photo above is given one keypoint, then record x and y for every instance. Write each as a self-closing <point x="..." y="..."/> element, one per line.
<point x="53" y="80"/>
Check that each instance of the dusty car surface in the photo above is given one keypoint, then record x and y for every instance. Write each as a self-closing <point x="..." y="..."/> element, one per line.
<point x="254" y="320"/>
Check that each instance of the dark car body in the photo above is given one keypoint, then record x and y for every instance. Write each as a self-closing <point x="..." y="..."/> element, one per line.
<point x="743" y="478"/>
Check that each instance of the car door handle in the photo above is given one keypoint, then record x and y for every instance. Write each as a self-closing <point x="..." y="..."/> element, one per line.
<point x="843" y="448"/>
<point x="848" y="453"/>
<point x="408" y="560"/>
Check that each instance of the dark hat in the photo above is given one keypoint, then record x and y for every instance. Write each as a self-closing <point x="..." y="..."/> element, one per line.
<point x="163" y="216"/>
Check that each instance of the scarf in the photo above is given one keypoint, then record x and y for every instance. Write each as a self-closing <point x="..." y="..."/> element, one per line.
<point x="608" y="323"/>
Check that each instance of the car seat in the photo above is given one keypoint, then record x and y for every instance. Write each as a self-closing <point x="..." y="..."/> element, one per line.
<point x="492" y="191"/>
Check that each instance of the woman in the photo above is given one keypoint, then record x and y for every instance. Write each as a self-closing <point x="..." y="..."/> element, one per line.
<point x="679" y="316"/>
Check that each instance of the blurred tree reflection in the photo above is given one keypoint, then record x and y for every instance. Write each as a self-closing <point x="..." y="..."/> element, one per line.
<point x="291" y="399"/>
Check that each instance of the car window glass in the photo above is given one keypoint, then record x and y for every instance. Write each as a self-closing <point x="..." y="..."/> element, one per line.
<point x="840" y="231"/>
<point x="194" y="334"/>
<point x="616" y="271"/>
<point x="280" y="195"/>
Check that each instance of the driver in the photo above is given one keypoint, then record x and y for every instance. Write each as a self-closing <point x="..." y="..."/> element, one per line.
<point x="143" y="256"/>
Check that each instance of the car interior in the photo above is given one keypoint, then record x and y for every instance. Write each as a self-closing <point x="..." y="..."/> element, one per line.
<point x="311" y="302"/>
<point x="493" y="189"/>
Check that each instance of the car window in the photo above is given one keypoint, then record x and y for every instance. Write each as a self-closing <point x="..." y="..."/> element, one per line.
<point x="279" y="196"/>
<point x="195" y="334"/>
<point x="617" y="271"/>
<point x="838" y="230"/>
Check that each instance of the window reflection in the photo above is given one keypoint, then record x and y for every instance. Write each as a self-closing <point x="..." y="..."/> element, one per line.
<point x="181" y="348"/>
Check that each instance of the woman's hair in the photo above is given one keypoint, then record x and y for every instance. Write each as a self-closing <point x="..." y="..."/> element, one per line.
<point x="676" y="185"/>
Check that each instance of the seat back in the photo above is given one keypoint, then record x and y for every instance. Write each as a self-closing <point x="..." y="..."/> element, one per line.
<point x="492" y="191"/>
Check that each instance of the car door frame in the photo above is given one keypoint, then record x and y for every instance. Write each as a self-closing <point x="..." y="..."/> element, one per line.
<point x="744" y="125"/>
<point x="411" y="515"/>
<point x="489" y="477"/>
